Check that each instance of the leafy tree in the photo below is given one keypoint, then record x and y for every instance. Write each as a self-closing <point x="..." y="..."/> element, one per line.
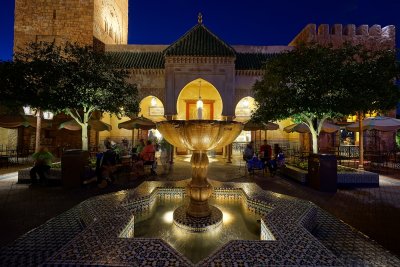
<point x="302" y="84"/>
<point x="93" y="82"/>
<point x="72" y="79"/>
<point x="313" y="83"/>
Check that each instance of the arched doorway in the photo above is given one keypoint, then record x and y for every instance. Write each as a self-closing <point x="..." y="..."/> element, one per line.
<point x="189" y="95"/>
<point x="152" y="108"/>
<point x="243" y="111"/>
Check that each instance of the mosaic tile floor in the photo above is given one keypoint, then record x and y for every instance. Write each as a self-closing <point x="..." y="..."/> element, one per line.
<point x="80" y="227"/>
<point x="94" y="233"/>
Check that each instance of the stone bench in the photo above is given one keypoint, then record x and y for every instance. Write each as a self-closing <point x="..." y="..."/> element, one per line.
<point x="354" y="178"/>
<point x="294" y="173"/>
<point x="25" y="178"/>
<point x="358" y="179"/>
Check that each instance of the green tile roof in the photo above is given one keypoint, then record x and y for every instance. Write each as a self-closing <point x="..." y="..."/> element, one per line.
<point x="251" y="61"/>
<point x="200" y="41"/>
<point x="138" y="60"/>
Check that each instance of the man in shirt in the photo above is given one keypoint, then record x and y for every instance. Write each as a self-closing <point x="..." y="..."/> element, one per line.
<point x="43" y="159"/>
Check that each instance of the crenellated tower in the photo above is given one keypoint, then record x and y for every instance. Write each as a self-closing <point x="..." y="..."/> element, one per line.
<point x="89" y="22"/>
<point x="374" y="37"/>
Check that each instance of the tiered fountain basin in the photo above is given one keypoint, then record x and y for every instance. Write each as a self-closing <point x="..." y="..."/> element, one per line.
<point x="199" y="136"/>
<point x="101" y="230"/>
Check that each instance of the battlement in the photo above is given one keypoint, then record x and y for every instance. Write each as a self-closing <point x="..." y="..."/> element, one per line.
<point x="371" y="36"/>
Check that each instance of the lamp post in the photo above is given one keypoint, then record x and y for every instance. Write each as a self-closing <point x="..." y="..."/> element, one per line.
<point x="47" y="115"/>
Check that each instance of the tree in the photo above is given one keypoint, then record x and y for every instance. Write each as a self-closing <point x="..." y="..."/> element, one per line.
<point x="303" y="84"/>
<point x="31" y="79"/>
<point x="93" y="82"/>
<point x="313" y="83"/>
<point x="72" y="79"/>
<point x="369" y="80"/>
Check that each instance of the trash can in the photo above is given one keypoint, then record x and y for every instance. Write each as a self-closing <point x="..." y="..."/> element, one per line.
<point x="73" y="164"/>
<point x="322" y="172"/>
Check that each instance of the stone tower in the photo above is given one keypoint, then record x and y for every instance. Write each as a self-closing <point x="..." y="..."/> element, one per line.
<point x="89" y="22"/>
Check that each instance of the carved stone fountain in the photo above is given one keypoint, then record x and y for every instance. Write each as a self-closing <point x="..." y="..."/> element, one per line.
<point x="199" y="136"/>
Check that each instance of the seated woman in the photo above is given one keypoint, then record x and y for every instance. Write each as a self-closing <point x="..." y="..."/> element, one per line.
<point x="146" y="157"/>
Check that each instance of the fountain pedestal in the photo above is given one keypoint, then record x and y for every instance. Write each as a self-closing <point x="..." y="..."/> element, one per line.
<point x="199" y="136"/>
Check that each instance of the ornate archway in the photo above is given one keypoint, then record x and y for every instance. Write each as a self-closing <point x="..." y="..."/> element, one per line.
<point x="188" y="96"/>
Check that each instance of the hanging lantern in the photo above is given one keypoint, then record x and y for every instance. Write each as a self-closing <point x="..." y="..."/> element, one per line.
<point x="48" y="115"/>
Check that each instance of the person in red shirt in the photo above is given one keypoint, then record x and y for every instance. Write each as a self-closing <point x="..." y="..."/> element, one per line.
<point x="148" y="155"/>
<point x="266" y="156"/>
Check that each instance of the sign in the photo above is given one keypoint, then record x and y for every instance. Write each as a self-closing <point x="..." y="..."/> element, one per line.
<point x="242" y="112"/>
<point x="156" y="111"/>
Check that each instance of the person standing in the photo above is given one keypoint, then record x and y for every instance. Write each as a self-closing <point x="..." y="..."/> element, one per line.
<point x="43" y="159"/>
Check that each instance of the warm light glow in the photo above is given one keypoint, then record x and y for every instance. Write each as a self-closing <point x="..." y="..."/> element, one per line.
<point x="169" y="216"/>
<point x="245" y="103"/>
<point x="48" y="115"/>
<point x="28" y="110"/>
<point x="199" y="109"/>
<point x="157" y="134"/>
<point x="153" y="101"/>
<point x="227" y="217"/>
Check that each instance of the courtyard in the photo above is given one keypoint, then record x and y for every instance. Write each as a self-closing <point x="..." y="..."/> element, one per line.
<point x="373" y="211"/>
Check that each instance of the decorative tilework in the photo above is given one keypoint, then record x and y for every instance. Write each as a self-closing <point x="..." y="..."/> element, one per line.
<point x="192" y="224"/>
<point x="97" y="232"/>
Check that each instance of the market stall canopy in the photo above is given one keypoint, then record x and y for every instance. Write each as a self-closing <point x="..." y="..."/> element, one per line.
<point x="138" y="123"/>
<point x="303" y="128"/>
<point x="96" y="125"/>
<point x="14" y="121"/>
<point x="384" y="124"/>
<point x="252" y="126"/>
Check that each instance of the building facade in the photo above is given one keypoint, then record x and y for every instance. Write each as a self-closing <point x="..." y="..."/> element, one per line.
<point x="171" y="78"/>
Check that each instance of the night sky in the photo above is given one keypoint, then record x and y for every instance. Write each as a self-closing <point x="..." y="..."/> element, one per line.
<point x="252" y="22"/>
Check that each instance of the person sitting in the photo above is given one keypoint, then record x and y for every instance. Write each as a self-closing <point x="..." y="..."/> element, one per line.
<point x="148" y="156"/>
<point x="248" y="151"/>
<point x="43" y="159"/>
<point x="266" y="157"/>
<point x="107" y="166"/>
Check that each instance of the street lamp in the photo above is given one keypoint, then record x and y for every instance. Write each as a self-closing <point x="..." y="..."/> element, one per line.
<point x="47" y="115"/>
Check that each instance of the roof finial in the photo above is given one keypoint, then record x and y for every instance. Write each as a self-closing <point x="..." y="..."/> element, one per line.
<point x="200" y="18"/>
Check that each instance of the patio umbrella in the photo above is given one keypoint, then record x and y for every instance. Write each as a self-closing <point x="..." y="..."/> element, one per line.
<point x="96" y="125"/>
<point x="138" y="123"/>
<point x="14" y="121"/>
<point x="252" y="126"/>
<point x="303" y="128"/>
<point x="384" y="124"/>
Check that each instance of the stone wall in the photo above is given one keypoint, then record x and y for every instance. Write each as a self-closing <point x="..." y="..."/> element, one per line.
<point x="72" y="20"/>
<point x="374" y="37"/>
<point x="46" y="20"/>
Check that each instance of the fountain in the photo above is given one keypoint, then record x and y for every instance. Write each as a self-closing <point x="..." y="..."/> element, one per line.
<point x="199" y="136"/>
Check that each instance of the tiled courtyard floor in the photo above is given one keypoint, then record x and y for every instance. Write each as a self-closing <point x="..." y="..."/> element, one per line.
<point x="373" y="211"/>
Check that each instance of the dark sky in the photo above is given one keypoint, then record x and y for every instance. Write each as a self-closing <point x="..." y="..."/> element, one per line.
<point x="257" y="22"/>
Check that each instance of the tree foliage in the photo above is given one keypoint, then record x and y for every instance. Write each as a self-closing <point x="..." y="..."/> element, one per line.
<point x="313" y="83"/>
<point x="73" y="79"/>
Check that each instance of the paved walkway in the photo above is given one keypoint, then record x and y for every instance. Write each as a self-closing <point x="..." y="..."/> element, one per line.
<point x="373" y="211"/>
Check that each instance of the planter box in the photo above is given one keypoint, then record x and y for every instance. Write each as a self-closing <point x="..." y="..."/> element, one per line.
<point x="358" y="179"/>
<point x="344" y="179"/>
<point x="295" y="173"/>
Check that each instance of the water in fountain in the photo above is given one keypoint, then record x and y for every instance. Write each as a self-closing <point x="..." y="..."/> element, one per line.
<point x="238" y="224"/>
